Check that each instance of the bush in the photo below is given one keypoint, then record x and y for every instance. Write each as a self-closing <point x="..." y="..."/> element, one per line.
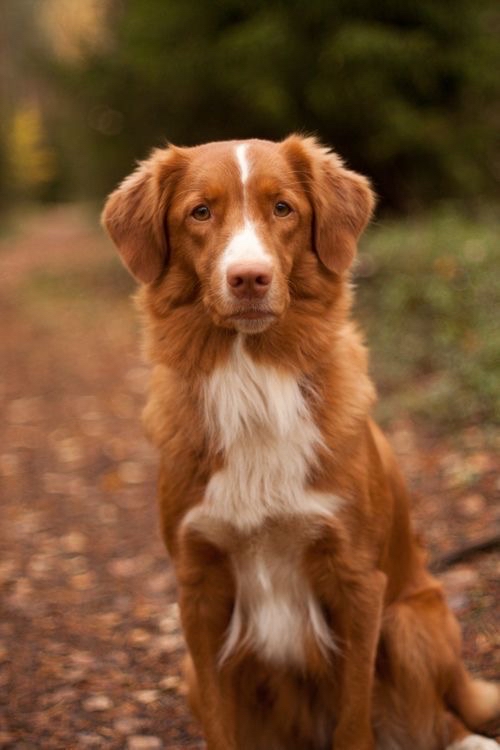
<point x="428" y="298"/>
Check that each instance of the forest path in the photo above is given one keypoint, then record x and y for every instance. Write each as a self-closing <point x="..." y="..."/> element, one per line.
<point x="90" y="644"/>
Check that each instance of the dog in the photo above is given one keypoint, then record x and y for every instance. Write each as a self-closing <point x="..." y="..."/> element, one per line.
<point x="310" y="618"/>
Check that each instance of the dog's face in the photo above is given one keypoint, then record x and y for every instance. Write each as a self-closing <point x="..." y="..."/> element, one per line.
<point x="238" y="219"/>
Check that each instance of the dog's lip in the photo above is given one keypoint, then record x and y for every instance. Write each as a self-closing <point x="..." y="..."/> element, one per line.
<point x="252" y="314"/>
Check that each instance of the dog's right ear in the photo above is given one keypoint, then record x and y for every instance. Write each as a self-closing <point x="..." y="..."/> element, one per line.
<point x="135" y="214"/>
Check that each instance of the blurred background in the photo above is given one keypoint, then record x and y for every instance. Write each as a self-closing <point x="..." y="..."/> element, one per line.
<point x="409" y="94"/>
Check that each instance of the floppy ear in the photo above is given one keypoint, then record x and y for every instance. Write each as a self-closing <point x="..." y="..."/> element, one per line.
<point x="135" y="214"/>
<point x="342" y="201"/>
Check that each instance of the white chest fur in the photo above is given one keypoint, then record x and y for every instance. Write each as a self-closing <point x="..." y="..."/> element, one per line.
<point x="259" y="419"/>
<point x="275" y="613"/>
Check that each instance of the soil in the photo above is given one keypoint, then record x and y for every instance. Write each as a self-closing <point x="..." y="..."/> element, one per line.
<point x="90" y="644"/>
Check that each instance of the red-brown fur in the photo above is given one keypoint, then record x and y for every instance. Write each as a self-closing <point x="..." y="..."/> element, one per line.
<point x="397" y="676"/>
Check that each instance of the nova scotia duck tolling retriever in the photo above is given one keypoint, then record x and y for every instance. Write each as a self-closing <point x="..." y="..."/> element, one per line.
<point x="310" y="618"/>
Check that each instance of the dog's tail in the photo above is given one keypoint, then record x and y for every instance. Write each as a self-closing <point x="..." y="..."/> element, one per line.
<point x="476" y="701"/>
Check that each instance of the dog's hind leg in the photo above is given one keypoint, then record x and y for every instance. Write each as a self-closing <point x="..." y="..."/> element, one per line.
<point x="421" y="679"/>
<point x="460" y="738"/>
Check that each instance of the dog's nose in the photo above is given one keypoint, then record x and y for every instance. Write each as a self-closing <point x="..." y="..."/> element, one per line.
<point x="247" y="281"/>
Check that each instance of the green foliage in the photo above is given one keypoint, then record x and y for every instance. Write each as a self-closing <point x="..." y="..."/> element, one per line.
<point x="407" y="92"/>
<point x="428" y="298"/>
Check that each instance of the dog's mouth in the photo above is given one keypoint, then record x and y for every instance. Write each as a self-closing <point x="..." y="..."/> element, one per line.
<point x="251" y="319"/>
<point x="251" y="310"/>
<point x="252" y="315"/>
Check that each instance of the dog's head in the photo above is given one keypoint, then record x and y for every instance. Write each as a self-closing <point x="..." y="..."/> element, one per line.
<point x="240" y="223"/>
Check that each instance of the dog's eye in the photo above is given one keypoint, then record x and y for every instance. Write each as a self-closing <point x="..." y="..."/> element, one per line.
<point x="201" y="213"/>
<point x="282" y="209"/>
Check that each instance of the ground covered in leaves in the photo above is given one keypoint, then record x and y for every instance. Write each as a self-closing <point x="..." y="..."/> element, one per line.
<point x="90" y="644"/>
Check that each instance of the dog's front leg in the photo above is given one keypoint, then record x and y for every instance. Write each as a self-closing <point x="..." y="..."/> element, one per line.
<point x="205" y="599"/>
<point x="361" y="612"/>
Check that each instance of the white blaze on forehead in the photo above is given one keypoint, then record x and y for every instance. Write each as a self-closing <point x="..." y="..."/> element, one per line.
<point x="241" y="155"/>
<point x="244" y="246"/>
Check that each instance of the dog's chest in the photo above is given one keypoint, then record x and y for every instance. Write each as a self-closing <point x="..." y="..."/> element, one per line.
<point x="259" y="420"/>
<point x="275" y="613"/>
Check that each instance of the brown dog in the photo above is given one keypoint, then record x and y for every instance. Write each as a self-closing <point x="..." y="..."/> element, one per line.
<point x="310" y="618"/>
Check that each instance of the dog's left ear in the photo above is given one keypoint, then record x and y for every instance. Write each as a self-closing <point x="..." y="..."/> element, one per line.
<point x="342" y="200"/>
<point x="135" y="214"/>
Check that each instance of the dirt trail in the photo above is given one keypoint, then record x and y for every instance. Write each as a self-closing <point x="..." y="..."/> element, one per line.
<point x="89" y="633"/>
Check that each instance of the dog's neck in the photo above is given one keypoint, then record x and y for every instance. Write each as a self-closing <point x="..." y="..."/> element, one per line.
<point x="181" y="335"/>
<point x="314" y="344"/>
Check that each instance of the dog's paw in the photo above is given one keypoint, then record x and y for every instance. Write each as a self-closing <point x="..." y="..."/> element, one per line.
<point x="474" y="742"/>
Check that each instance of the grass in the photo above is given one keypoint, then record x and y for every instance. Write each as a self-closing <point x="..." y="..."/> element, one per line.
<point x="428" y="298"/>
